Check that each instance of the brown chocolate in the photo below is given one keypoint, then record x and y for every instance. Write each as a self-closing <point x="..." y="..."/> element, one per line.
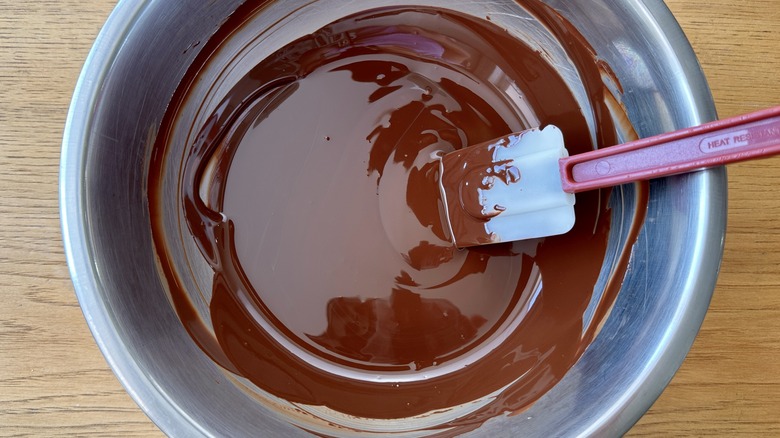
<point x="335" y="283"/>
<point x="464" y="173"/>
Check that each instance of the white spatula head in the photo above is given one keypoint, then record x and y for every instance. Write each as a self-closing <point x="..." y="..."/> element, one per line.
<point x="508" y="189"/>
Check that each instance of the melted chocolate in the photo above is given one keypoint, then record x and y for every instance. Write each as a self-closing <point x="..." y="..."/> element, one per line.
<point x="464" y="174"/>
<point x="312" y="193"/>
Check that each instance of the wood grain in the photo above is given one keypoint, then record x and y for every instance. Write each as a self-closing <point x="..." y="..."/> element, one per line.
<point x="54" y="382"/>
<point x="729" y="384"/>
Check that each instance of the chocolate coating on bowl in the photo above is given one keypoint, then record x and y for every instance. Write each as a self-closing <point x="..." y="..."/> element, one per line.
<point x="312" y="193"/>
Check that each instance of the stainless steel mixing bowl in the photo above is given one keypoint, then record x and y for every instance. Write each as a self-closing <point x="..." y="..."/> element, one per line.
<point x="122" y="94"/>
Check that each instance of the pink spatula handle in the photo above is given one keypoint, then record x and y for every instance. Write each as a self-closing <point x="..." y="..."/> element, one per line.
<point x="740" y="138"/>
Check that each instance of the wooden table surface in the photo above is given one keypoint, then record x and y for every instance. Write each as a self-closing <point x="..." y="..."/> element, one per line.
<point x="54" y="381"/>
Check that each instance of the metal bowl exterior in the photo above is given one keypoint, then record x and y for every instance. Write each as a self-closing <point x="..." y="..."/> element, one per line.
<point x="133" y="68"/>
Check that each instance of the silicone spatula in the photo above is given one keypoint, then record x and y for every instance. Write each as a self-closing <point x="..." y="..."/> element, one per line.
<point x="522" y="186"/>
